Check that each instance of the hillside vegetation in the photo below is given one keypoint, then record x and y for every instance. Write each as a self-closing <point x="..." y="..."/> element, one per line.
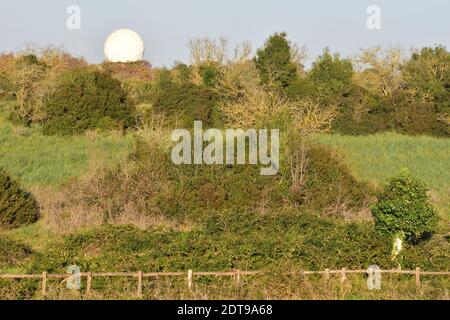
<point x="378" y="157"/>
<point x="39" y="160"/>
<point x="364" y="165"/>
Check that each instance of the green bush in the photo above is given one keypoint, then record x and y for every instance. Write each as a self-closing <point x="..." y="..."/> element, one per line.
<point x="329" y="187"/>
<point x="17" y="207"/>
<point x="209" y="74"/>
<point x="403" y="209"/>
<point x="182" y="104"/>
<point x="87" y="99"/>
<point x="427" y="74"/>
<point x="362" y="113"/>
<point x="274" y="61"/>
<point x="331" y="73"/>
<point x="12" y="253"/>
<point x="6" y="85"/>
<point x="157" y="187"/>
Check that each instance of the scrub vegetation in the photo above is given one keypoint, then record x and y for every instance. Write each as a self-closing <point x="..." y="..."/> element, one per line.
<point x="87" y="176"/>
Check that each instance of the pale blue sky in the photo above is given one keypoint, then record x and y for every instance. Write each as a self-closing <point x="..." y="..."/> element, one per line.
<point x="166" y="25"/>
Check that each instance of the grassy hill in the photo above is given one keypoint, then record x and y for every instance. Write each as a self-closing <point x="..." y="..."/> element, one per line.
<point x="379" y="157"/>
<point x="281" y="241"/>
<point x="38" y="160"/>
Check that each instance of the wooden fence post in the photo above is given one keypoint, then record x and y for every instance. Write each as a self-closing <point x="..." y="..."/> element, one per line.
<point x="238" y="277"/>
<point x="89" y="283"/>
<point x="343" y="276"/>
<point x="327" y="274"/>
<point x="418" y="278"/>
<point x="44" y="283"/>
<point x="189" y="279"/>
<point x="139" y="285"/>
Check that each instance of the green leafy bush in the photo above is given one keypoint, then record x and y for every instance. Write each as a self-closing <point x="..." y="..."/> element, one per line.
<point x="209" y="73"/>
<point x="182" y="104"/>
<point x="274" y="61"/>
<point x="17" y="207"/>
<point x="12" y="253"/>
<point x="427" y="76"/>
<point x="87" y="99"/>
<point x="403" y="209"/>
<point x="331" y="73"/>
<point x="315" y="182"/>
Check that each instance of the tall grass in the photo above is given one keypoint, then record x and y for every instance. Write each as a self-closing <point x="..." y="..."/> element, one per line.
<point x="378" y="157"/>
<point x="38" y="160"/>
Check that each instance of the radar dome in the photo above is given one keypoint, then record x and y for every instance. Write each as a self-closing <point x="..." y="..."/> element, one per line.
<point x="124" y="45"/>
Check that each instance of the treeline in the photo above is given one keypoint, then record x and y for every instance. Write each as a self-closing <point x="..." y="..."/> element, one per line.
<point x="378" y="90"/>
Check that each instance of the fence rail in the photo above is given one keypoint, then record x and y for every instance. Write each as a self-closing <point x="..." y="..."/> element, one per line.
<point x="235" y="274"/>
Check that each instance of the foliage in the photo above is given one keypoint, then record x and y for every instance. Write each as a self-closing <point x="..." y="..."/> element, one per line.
<point x="323" y="183"/>
<point x="274" y="61"/>
<point x="33" y="74"/>
<point x="45" y="161"/>
<point x="29" y="89"/>
<point x="182" y="104"/>
<point x="17" y="207"/>
<point x="403" y="208"/>
<point x="331" y="73"/>
<point x="87" y="99"/>
<point x="378" y="157"/>
<point x="427" y="76"/>
<point x="7" y="62"/>
<point x="12" y="253"/>
<point x="381" y="69"/>
<point x="136" y="77"/>
<point x="152" y="188"/>
<point x="209" y="74"/>
<point x="182" y="73"/>
<point x="363" y="113"/>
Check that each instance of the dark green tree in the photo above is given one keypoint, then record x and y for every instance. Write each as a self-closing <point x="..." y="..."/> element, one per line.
<point x="274" y="61"/>
<point x="330" y="72"/>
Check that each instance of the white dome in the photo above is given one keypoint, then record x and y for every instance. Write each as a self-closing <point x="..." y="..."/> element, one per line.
<point x="124" y="45"/>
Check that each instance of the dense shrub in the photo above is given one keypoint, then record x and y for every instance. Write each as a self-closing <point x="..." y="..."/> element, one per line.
<point x="182" y="104"/>
<point x="361" y="113"/>
<point x="17" y="207"/>
<point x="209" y="73"/>
<point x="331" y="73"/>
<point x="301" y="88"/>
<point x="416" y="103"/>
<point x="163" y="78"/>
<point x="315" y="181"/>
<point x="136" y="77"/>
<point x="7" y="62"/>
<point x="141" y="70"/>
<point x="29" y="87"/>
<point x="427" y="76"/>
<point x="403" y="209"/>
<point x="183" y="73"/>
<point x="87" y="99"/>
<point x="328" y="186"/>
<point x="274" y="61"/>
<point x="245" y="241"/>
<point x="12" y="253"/>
